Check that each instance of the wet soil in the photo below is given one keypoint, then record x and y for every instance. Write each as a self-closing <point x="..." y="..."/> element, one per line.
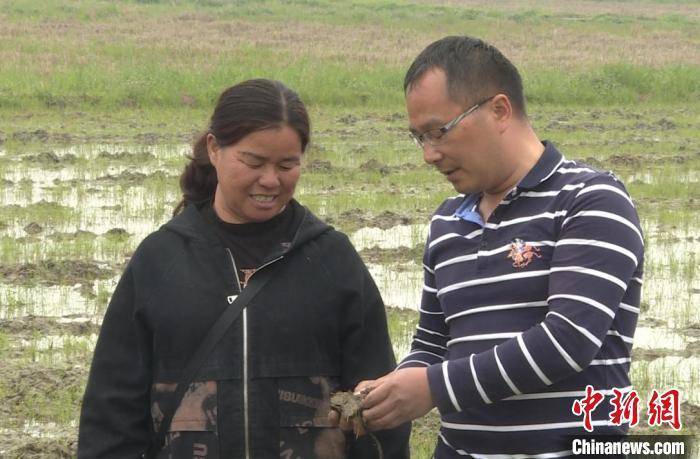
<point x="64" y="446"/>
<point x="122" y="155"/>
<point x="639" y="354"/>
<point x="318" y="165"/>
<point x="33" y="228"/>
<point x="135" y="178"/>
<point x="31" y="326"/>
<point x="22" y="383"/>
<point x="378" y="255"/>
<point x="357" y="218"/>
<point x="51" y="272"/>
<point x="49" y="157"/>
<point x="31" y="388"/>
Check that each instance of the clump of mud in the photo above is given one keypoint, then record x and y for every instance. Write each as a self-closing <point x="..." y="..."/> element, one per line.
<point x="374" y="165"/>
<point x="43" y="448"/>
<point x="51" y="272"/>
<point x="318" y="165"/>
<point x="33" y="228"/>
<point x="378" y="255"/>
<point x="31" y="325"/>
<point x="647" y="355"/>
<point x="27" y="387"/>
<point x="49" y="157"/>
<point x="36" y="394"/>
<point x="136" y="157"/>
<point x="357" y="218"/>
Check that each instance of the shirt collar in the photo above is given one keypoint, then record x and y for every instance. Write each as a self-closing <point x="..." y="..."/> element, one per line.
<point x="469" y="209"/>
<point x="544" y="168"/>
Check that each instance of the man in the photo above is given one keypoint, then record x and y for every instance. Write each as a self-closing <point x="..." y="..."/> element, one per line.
<point x="532" y="274"/>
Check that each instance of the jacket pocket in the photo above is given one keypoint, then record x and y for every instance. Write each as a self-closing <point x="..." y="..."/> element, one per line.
<point x="193" y="430"/>
<point x="305" y="431"/>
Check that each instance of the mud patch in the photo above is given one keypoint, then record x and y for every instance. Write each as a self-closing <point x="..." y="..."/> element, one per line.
<point x="357" y="218"/>
<point x="29" y="326"/>
<point x="647" y="355"/>
<point x="50" y="272"/>
<point x="135" y="178"/>
<point x="70" y="236"/>
<point x="63" y="446"/>
<point x="37" y="380"/>
<point x="690" y="416"/>
<point x="693" y="349"/>
<point x="117" y="232"/>
<point x="378" y="255"/>
<point x="122" y="155"/>
<point x="33" y="228"/>
<point x="692" y="330"/>
<point x="318" y="165"/>
<point x="49" y="157"/>
<point x="375" y="166"/>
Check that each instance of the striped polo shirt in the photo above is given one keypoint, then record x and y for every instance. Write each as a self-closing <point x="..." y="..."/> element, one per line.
<point x="521" y="312"/>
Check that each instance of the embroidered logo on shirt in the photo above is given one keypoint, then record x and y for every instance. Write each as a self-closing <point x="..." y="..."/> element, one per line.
<point x="522" y="253"/>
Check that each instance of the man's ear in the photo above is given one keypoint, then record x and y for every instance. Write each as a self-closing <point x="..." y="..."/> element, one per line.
<point x="213" y="149"/>
<point x="502" y="111"/>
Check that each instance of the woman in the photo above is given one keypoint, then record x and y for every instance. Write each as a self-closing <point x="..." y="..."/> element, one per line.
<point x="317" y="325"/>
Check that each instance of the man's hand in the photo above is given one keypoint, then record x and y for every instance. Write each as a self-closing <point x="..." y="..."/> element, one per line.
<point x="396" y="398"/>
<point x="336" y="419"/>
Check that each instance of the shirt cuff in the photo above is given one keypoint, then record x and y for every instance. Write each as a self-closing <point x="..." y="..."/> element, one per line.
<point x="438" y="389"/>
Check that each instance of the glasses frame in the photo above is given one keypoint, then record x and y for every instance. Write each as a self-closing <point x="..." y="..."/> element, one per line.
<point x="437" y="136"/>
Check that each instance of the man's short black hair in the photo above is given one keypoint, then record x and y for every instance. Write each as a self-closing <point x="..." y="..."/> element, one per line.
<point x="475" y="70"/>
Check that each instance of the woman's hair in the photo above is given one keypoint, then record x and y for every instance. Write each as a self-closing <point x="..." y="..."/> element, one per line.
<point x="250" y="106"/>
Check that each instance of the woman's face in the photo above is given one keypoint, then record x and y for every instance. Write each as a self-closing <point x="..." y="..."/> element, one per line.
<point x="257" y="175"/>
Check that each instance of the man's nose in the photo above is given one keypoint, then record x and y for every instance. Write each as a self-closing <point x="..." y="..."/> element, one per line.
<point x="430" y="154"/>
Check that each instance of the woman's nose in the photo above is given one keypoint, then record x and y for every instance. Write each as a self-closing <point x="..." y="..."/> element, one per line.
<point x="269" y="178"/>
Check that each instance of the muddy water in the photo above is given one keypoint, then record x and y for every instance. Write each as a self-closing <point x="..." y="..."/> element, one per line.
<point x="101" y="189"/>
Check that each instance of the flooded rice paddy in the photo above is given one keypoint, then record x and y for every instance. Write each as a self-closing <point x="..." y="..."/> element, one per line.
<point x="71" y="216"/>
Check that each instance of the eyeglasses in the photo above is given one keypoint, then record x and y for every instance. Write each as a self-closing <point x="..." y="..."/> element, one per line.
<point x="437" y="136"/>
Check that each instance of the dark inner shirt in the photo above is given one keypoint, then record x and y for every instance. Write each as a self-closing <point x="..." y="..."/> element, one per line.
<point x="252" y="243"/>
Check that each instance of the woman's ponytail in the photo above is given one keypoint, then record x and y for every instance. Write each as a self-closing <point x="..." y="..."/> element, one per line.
<point x="198" y="180"/>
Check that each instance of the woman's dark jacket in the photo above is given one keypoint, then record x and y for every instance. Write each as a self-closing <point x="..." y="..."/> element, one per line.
<point x="318" y="326"/>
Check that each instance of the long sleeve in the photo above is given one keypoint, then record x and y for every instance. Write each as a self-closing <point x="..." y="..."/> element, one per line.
<point x="430" y="339"/>
<point x="367" y="352"/>
<point x="596" y="263"/>
<point x="115" y="415"/>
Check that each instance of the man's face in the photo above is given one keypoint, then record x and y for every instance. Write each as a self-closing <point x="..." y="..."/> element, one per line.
<point x="467" y="155"/>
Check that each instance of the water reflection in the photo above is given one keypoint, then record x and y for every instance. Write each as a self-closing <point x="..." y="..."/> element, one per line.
<point x="392" y="238"/>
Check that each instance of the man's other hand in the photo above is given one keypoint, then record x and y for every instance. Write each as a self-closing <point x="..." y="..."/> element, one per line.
<point x="396" y="398"/>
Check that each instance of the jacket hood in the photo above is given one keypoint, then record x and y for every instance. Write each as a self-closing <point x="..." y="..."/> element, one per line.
<point x="191" y="224"/>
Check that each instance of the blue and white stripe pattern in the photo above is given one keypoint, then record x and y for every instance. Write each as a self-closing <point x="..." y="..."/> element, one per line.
<point x="508" y="349"/>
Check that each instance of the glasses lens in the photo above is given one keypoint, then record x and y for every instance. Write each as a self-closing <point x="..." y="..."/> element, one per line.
<point x="418" y="141"/>
<point x="434" y="136"/>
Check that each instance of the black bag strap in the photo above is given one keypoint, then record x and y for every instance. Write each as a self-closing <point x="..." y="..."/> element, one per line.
<point x="215" y="334"/>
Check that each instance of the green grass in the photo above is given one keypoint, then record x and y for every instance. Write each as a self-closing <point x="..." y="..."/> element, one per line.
<point x="75" y="67"/>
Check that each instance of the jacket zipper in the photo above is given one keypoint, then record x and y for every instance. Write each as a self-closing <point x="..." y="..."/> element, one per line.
<point x="246" y="428"/>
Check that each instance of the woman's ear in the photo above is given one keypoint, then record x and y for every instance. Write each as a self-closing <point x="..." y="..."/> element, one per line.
<point x="213" y="149"/>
